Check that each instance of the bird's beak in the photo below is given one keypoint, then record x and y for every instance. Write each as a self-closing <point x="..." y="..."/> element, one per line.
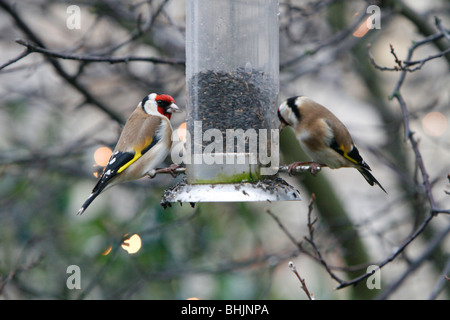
<point x="173" y="108"/>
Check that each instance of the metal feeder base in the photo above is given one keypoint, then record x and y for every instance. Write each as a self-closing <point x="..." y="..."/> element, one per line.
<point x="268" y="189"/>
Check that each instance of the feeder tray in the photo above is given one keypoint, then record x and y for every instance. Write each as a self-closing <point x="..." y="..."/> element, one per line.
<point x="269" y="189"/>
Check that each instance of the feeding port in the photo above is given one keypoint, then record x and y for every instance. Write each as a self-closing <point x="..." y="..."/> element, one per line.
<point x="232" y="85"/>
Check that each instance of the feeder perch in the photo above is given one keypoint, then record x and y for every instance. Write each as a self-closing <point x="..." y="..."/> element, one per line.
<point x="232" y="85"/>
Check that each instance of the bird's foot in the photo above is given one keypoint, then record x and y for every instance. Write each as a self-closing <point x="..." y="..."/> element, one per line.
<point x="292" y="166"/>
<point x="314" y="167"/>
<point x="170" y="169"/>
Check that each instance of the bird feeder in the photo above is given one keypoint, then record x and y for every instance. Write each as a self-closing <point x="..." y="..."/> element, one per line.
<point x="232" y="84"/>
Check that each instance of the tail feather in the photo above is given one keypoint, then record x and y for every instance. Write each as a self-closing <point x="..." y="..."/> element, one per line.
<point x="102" y="184"/>
<point x="88" y="201"/>
<point x="370" y="178"/>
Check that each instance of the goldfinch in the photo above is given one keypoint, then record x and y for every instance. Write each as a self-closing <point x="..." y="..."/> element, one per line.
<point x="144" y="143"/>
<point x="322" y="136"/>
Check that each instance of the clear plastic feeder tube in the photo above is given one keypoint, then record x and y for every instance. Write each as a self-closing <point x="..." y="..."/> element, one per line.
<point x="232" y="85"/>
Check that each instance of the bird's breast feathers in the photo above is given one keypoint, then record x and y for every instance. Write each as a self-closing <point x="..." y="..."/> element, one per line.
<point x="315" y="135"/>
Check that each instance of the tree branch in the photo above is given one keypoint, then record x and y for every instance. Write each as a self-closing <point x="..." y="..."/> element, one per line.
<point x="405" y="65"/>
<point x="392" y="257"/>
<point x="14" y="60"/>
<point x="422" y="25"/>
<point x="57" y="66"/>
<point x="309" y="294"/>
<point x="311" y="241"/>
<point x="96" y="58"/>
<point x="435" y="242"/>
<point x="409" y="135"/>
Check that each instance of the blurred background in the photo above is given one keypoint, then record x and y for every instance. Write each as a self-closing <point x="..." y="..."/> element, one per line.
<point x="60" y="118"/>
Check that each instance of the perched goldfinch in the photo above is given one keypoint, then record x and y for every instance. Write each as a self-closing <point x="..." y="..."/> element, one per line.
<point x="144" y="143"/>
<point x="322" y="136"/>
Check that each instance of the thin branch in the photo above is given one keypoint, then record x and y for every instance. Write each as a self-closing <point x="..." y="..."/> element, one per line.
<point x="443" y="281"/>
<point x="14" y="60"/>
<point x="96" y="58"/>
<point x="309" y="294"/>
<point x="431" y="246"/>
<point x="286" y="232"/>
<point x="139" y="29"/>
<point x="409" y="135"/>
<point x="434" y="210"/>
<point x="420" y="22"/>
<point x="422" y="61"/>
<point x="441" y="28"/>
<point x="311" y="241"/>
<point x="334" y="39"/>
<point x="397" y="60"/>
<point x="57" y="66"/>
<point x="392" y="257"/>
<point x="406" y="64"/>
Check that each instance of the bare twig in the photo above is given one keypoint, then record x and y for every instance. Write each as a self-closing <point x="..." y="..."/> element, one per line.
<point x="14" y="60"/>
<point x="336" y="38"/>
<point x="392" y="257"/>
<point x="421" y="62"/>
<point x="96" y="58"/>
<point x="57" y="66"/>
<point x="309" y="294"/>
<point x="443" y="281"/>
<point x="310" y="240"/>
<point x="409" y="135"/>
<point x="21" y="266"/>
<point x="401" y="66"/>
<point x="140" y="30"/>
<point x="406" y="64"/>
<point x="420" y="22"/>
<point x="288" y="234"/>
<point x="441" y="28"/>
<point x="435" y="242"/>
<point x="396" y="59"/>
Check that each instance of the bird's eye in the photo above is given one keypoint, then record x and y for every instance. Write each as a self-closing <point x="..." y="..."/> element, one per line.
<point x="162" y="103"/>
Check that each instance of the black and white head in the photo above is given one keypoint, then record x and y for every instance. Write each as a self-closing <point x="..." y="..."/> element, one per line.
<point x="289" y="112"/>
<point x="159" y="104"/>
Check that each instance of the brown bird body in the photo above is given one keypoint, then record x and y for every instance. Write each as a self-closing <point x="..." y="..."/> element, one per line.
<point x="323" y="136"/>
<point x="142" y="129"/>
<point x="144" y="143"/>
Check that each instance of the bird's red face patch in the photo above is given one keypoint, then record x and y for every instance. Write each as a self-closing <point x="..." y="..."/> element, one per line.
<point x="163" y="101"/>
<point x="166" y="98"/>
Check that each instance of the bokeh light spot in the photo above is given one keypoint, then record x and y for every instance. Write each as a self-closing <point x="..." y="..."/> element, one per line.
<point x="133" y="244"/>
<point x="107" y="251"/>
<point x="181" y="131"/>
<point x="434" y="124"/>
<point x="102" y="155"/>
<point x="363" y="28"/>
